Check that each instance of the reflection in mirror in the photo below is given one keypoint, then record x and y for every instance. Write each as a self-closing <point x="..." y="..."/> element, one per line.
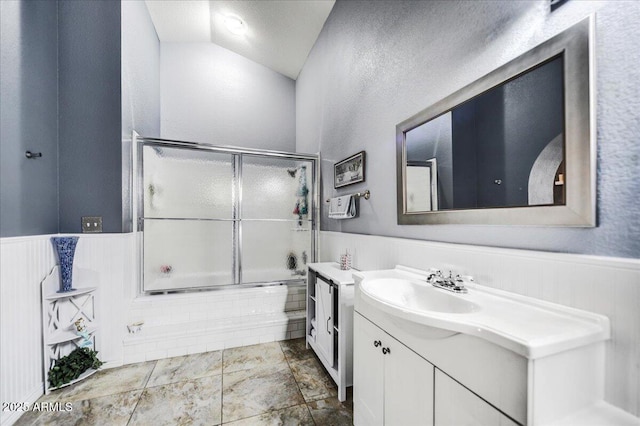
<point x="515" y="147"/>
<point x="502" y="148"/>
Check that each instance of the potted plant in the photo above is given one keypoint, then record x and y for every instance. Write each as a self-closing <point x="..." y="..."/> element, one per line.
<point x="70" y="367"/>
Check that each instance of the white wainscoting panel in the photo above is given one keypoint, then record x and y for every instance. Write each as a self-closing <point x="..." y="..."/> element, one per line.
<point x="103" y="260"/>
<point x="24" y="262"/>
<point x="605" y="285"/>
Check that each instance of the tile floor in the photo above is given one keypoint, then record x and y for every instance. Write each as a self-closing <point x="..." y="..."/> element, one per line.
<point x="279" y="383"/>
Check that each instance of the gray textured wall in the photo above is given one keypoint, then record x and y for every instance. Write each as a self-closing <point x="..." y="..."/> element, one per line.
<point x="140" y="90"/>
<point x="140" y="71"/>
<point x="90" y="164"/>
<point x="212" y="95"/>
<point x="377" y="63"/>
<point x="28" y="118"/>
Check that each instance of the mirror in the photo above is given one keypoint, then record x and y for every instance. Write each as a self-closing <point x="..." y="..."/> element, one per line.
<point x="515" y="147"/>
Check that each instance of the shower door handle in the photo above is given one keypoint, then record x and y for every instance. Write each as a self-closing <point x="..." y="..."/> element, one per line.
<point x="328" y="330"/>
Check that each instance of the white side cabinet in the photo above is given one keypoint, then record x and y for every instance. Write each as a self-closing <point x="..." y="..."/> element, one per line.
<point x="330" y="321"/>
<point x="59" y="313"/>
<point x="394" y="384"/>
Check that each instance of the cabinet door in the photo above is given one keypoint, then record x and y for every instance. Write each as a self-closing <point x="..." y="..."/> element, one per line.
<point x="324" y="322"/>
<point x="408" y="386"/>
<point x="368" y="373"/>
<point x="457" y="405"/>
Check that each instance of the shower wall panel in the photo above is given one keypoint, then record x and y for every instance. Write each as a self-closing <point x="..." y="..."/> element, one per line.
<point x="215" y="217"/>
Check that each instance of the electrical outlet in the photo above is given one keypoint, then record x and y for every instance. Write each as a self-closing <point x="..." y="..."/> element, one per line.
<point x="91" y="224"/>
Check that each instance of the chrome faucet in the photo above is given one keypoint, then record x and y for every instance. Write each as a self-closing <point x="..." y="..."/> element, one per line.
<point x="450" y="283"/>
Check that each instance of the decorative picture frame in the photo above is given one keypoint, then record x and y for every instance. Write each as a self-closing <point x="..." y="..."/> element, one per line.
<point x="349" y="171"/>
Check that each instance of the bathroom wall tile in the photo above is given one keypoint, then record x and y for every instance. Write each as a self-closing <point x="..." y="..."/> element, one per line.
<point x="133" y="358"/>
<point x="233" y="343"/>
<point x="174" y="352"/>
<point x="297" y="334"/>
<point x="267" y="338"/>
<point x="155" y="355"/>
<point x="196" y="349"/>
<point x="215" y="346"/>
<point x="252" y="340"/>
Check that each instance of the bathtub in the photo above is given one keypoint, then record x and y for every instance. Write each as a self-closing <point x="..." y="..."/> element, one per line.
<point x="173" y="282"/>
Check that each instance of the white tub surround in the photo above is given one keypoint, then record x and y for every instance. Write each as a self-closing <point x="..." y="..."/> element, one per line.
<point x="187" y="323"/>
<point x="603" y="285"/>
<point x="534" y="361"/>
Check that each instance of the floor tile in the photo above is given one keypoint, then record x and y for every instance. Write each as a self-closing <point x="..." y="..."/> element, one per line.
<point x="330" y="412"/>
<point x="269" y="384"/>
<point x="247" y="393"/>
<point x="113" y="410"/>
<point x="183" y="368"/>
<point x="293" y="416"/>
<point x="106" y="382"/>
<point x="296" y="349"/>
<point x="246" y="357"/>
<point x="313" y="380"/>
<point x="192" y="402"/>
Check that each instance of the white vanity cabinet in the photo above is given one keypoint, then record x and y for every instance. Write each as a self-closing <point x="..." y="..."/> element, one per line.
<point x="457" y="405"/>
<point x="329" y="327"/>
<point x="395" y="385"/>
<point x="497" y="358"/>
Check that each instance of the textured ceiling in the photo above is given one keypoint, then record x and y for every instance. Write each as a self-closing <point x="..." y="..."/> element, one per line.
<point x="280" y="33"/>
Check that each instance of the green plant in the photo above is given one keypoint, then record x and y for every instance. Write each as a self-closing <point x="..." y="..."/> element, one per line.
<point x="70" y="367"/>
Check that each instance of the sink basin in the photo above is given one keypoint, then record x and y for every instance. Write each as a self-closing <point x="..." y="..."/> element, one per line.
<point x="416" y="296"/>
<point x="530" y="327"/>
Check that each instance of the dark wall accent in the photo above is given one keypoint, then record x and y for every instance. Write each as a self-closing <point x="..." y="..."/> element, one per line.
<point x="498" y="135"/>
<point x="28" y="118"/>
<point x="90" y="168"/>
<point x="463" y="131"/>
<point x="534" y="116"/>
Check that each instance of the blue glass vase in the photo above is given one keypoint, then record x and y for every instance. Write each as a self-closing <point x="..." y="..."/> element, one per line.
<point x="65" y="250"/>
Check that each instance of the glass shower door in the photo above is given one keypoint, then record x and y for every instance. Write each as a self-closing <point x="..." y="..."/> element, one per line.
<point x="276" y="218"/>
<point x="189" y="218"/>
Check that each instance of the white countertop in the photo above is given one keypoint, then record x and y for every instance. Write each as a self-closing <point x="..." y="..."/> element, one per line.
<point x="332" y="271"/>
<point x="530" y="327"/>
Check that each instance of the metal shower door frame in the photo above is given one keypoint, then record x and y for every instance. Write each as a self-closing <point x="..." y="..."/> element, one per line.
<point x="237" y="161"/>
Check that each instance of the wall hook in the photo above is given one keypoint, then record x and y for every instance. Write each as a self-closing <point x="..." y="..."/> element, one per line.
<point x="32" y="155"/>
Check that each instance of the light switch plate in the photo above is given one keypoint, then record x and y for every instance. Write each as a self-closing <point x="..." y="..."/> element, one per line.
<point x="91" y="224"/>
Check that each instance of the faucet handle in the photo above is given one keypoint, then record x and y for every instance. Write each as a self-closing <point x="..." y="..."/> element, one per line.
<point x="434" y="274"/>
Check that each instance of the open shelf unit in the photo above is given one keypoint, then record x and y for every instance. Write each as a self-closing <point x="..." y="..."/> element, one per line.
<point x="59" y="313"/>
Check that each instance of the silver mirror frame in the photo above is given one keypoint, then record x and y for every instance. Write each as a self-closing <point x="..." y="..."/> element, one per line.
<point x="577" y="44"/>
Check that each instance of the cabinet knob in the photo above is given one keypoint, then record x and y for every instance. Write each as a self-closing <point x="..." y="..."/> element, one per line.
<point x="377" y="343"/>
<point x="386" y="351"/>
